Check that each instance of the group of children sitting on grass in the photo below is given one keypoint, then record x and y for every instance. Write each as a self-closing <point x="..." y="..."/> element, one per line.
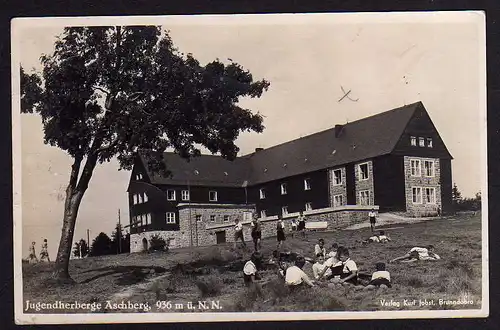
<point x="334" y="268"/>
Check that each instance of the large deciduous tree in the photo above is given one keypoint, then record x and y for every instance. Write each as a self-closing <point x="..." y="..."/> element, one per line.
<point x="112" y="91"/>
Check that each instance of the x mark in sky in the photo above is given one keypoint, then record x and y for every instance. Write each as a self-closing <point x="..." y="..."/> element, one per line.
<point x="346" y="94"/>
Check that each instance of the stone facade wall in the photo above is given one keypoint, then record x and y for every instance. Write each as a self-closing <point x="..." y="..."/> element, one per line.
<point x="337" y="189"/>
<point x="424" y="209"/>
<point x="136" y="240"/>
<point x="364" y="184"/>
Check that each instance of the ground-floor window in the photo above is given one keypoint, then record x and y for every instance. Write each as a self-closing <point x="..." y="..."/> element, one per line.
<point x="226" y="218"/>
<point x="170" y="217"/>
<point x="212" y="218"/>
<point x="284" y="210"/>
<point x="364" y="197"/>
<point x="338" y="200"/>
<point x="416" y="195"/>
<point x="308" y="206"/>
<point x="198" y="218"/>
<point x="263" y="213"/>
<point x="430" y="195"/>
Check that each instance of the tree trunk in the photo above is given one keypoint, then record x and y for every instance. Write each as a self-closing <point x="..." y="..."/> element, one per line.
<point x="72" y="204"/>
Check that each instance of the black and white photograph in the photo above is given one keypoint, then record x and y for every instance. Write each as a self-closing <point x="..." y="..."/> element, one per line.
<point x="249" y="167"/>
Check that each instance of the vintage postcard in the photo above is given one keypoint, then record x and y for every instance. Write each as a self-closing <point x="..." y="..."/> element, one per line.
<point x="250" y="167"/>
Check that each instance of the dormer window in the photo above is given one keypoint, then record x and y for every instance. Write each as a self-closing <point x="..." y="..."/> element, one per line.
<point x="307" y="184"/>
<point x="171" y="195"/>
<point x="262" y="193"/>
<point x="413" y="141"/>
<point x="421" y="142"/>
<point x="283" y="189"/>
<point x="429" y="142"/>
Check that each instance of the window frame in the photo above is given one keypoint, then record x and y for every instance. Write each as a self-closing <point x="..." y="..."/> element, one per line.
<point x="367" y="191"/>
<point x="174" y="198"/>
<point x="335" y="177"/>
<point x="433" y="169"/>
<point x="213" y="218"/>
<point x="167" y="218"/>
<point x="421" y="142"/>
<point x="433" y="189"/>
<point x="263" y="214"/>
<point x="360" y="172"/>
<point x="198" y="218"/>
<point x="134" y="199"/>
<point x="283" y="188"/>
<point x="413" y="141"/>
<point x="185" y="192"/>
<point x="308" y="206"/>
<point x="262" y="193"/>
<point x="225" y="218"/>
<point x="148" y="218"/>
<point x="412" y="160"/>
<point x="416" y="188"/>
<point x="284" y="210"/>
<point x="335" y="197"/>
<point x="216" y="196"/>
<point x="307" y="184"/>
<point x="430" y="143"/>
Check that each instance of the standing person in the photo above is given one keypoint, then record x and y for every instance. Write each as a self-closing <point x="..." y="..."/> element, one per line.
<point x="373" y="219"/>
<point x="44" y="253"/>
<point x="32" y="258"/>
<point x="280" y="232"/>
<point x="256" y="232"/>
<point x="302" y="224"/>
<point x="320" y="248"/>
<point x="294" y="227"/>
<point x="238" y="232"/>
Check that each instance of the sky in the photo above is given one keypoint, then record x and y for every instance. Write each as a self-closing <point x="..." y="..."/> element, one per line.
<point x="385" y="60"/>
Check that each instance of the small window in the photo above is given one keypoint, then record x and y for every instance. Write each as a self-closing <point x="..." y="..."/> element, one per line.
<point x="338" y="200"/>
<point x="263" y="213"/>
<point x="145" y="197"/>
<point x="141" y="200"/>
<point x="198" y="218"/>
<point x="413" y="141"/>
<point x="143" y="219"/>
<point x="170" y="217"/>
<point x="135" y="198"/>
<point x="212" y="218"/>
<point x="308" y="206"/>
<point x="429" y="142"/>
<point x="363" y="171"/>
<point x="337" y="177"/>
<point x="262" y="193"/>
<point x="364" y="197"/>
<point x="421" y="142"/>
<point x="212" y="196"/>
<point x="171" y="195"/>
<point x="283" y="188"/>
<point x="185" y="195"/>
<point x="428" y="168"/>
<point x="284" y="210"/>
<point x="148" y="218"/>
<point x="226" y="218"/>
<point x="307" y="184"/>
<point x="415" y="167"/>
<point x="416" y="195"/>
<point x="430" y="195"/>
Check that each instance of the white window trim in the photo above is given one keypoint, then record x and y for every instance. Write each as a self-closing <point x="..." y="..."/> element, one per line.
<point x="262" y="193"/>
<point x="421" y="196"/>
<point x="183" y="193"/>
<point x="307" y="184"/>
<point x="263" y="214"/>
<point x="216" y="197"/>
<point x="433" y="169"/>
<point x="214" y="217"/>
<point x="174" y="194"/>
<point x="283" y="189"/>
<point x="140" y="199"/>
<point x="334" y="177"/>
<point x="341" y="198"/>
<point x="145" y="197"/>
<point x="148" y="218"/>
<point x="430" y="143"/>
<point x="284" y="210"/>
<point x="134" y="199"/>
<point x="419" y="167"/>
<point x="361" y="172"/>
<point x="413" y="138"/>
<point x="224" y="217"/>
<point x="360" y="196"/>
<point x="421" y="139"/>
<point x="310" y="206"/>
<point x="167" y="217"/>
<point x="434" y="195"/>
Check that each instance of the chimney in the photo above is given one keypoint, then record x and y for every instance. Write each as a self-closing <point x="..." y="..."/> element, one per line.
<point x="338" y="130"/>
<point x="258" y="149"/>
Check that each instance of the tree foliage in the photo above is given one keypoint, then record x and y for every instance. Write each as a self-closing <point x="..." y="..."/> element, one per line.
<point x="101" y="245"/>
<point x="81" y="245"/>
<point x="117" y="236"/>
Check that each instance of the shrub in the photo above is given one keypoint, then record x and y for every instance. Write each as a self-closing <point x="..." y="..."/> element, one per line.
<point x="209" y="286"/>
<point x="157" y="243"/>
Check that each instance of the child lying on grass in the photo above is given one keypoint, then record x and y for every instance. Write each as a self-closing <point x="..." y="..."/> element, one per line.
<point x="418" y="253"/>
<point x="380" y="278"/>
<point x="380" y="238"/>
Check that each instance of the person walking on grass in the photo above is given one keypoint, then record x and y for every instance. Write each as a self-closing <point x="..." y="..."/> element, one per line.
<point x="256" y="232"/>
<point x="373" y="219"/>
<point x="238" y="232"/>
<point x="32" y="257"/>
<point x="302" y="224"/>
<point x="294" y="227"/>
<point x="44" y="253"/>
<point x="280" y="232"/>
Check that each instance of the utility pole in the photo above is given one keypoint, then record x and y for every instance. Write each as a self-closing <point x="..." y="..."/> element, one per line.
<point x="88" y="241"/>
<point x="119" y="233"/>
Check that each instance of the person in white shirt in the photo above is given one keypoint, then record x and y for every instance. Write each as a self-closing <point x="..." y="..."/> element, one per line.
<point x="44" y="253"/>
<point x="333" y="251"/>
<point x="332" y="267"/>
<point x="319" y="267"/>
<point x="294" y="227"/>
<point x="238" y="232"/>
<point x="280" y="232"/>
<point x="418" y="253"/>
<point x="251" y="269"/>
<point x="302" y="224"/>
<point x="381" y="278"/>
<point x="372" y="215"/>
<point x="256" y="232"/>
<point x="32" y="256"/>
<point x="383" y="238"/>
<point x="349" y="273"/>
<point x="295" y="276"/>
<point x="320" y="248"/>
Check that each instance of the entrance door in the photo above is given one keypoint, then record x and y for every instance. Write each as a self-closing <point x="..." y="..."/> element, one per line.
<point x="144" y="244"/>
<point x="220" y="236"/>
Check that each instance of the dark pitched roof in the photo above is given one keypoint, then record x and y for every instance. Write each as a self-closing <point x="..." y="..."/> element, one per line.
<point x="362" y="139"/>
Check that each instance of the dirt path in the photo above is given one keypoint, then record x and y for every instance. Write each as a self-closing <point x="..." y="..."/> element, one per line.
<point x="132" y="290"/>
<point x="385" y="219"/>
